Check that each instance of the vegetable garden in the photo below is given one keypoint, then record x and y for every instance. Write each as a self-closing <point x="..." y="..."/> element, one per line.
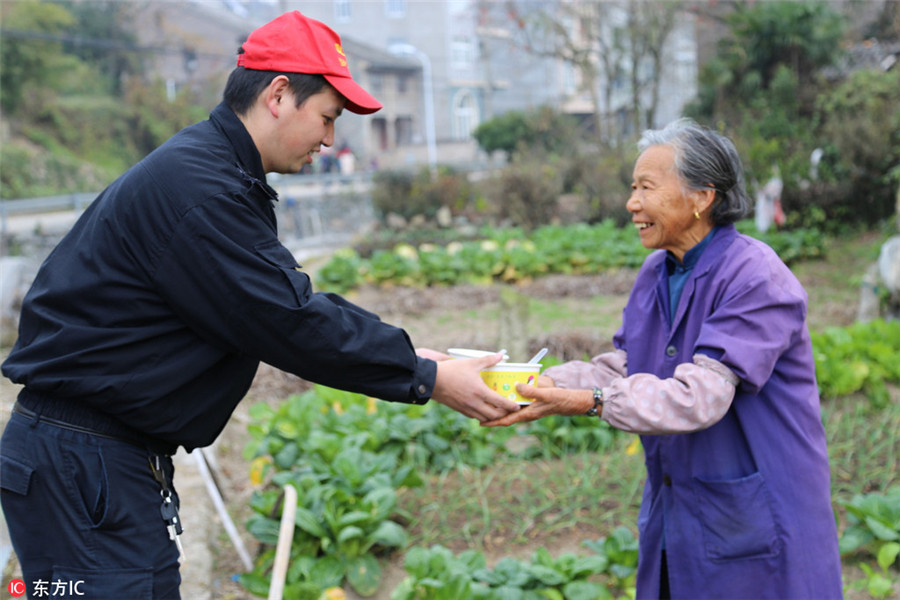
<point x="377" y="480"/>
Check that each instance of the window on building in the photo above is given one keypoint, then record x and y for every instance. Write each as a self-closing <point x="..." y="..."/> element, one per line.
<point x="376" y="83"/>
<point x="570" y="79"/>
<point x="395" y="8"/>
<point x="619" y="82"/>
<point x="465" y="114"/>
<point x="458" y="7"/>
<point x="402" y="84"/>
<point x="403" y="130"/>
<point x="342" y="12"/>
<point x="379" y="132"/>
<point x="462" y="52"/>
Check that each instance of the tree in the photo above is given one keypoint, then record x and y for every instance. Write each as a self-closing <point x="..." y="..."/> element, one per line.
<point x="606" y="42"/>
<point x="649" y="25"/>
<point x="565" y="32"/>
<point x="763" y="83"/>
<point x="502" y="133"/>
<point x="545" y="130"/>
<point x="767" y="86"/>
<point x="802" y="36"/>
<point x="102" y="37"/>
<point x="29" y="54"/>
<point x="861" y="119"/>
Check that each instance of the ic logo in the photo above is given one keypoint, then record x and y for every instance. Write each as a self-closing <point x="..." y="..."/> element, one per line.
<point x="16" y="587"/>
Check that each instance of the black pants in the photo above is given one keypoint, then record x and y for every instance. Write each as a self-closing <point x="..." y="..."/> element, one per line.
<point x="83" y="513"/>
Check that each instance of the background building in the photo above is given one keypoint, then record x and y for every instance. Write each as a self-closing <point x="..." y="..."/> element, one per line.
<point x="443" y="67"/>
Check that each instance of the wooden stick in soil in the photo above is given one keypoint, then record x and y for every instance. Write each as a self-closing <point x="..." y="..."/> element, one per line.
<point x="283" y="548"/>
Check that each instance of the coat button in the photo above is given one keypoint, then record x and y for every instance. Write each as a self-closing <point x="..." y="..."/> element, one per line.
<point x="422" y="389"/>
<point x="671" y="351"/>
<point x="667" y="480"/>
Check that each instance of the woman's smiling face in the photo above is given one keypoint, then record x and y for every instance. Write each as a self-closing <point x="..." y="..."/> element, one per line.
<point x="661" y="208"/>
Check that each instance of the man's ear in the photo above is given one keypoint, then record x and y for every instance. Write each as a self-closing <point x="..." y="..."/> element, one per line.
<point x="276" y="94"/>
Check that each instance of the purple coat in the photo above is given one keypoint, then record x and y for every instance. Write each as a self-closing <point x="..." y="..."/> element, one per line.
<point x="743" y="507"/>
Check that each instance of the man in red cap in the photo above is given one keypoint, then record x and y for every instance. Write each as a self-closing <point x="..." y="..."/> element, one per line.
<point x="145" y="327"/>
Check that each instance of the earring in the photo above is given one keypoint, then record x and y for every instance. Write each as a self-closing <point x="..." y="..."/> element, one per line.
<point x="697" y="215"/>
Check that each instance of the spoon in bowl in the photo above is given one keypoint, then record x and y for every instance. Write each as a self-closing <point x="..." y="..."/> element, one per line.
<point x="537" y="357"/>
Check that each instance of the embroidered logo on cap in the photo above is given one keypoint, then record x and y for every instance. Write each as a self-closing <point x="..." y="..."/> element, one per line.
<point x="340" y="51"/>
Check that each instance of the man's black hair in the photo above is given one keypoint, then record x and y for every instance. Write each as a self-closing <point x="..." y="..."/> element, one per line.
<point x="245" y="85"/>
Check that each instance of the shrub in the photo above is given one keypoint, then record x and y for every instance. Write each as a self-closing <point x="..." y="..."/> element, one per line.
<point x="409" y="194"/>
<point x="525" y="193"/>
<point x="602" y="178"/>
<point x="517" y="132"/>
<point x="447" y="188"/>
<point x="391" y="193"/>
<point x="862" y="121"/>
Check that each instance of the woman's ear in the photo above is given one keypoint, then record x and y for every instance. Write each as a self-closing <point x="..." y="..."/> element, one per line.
<point x="703" y="199"/>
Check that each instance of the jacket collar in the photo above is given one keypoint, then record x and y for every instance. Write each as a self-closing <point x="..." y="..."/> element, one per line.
<point x="720" y="240"/>
<point x="249" y="160"/>
<point x="723" y="238"/>
<point x="691" y="257"/>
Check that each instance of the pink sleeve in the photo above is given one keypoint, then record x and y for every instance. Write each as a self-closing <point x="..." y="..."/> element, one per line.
<point x="697" y="396"/>
<point x="602" y="370"/>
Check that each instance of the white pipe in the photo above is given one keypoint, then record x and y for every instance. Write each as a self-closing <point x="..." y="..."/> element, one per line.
<point x="430" y="136"/>
<point x="220" y="508"/>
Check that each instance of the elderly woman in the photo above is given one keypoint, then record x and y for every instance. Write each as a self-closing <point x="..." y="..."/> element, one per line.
<point x="714" y="368"/>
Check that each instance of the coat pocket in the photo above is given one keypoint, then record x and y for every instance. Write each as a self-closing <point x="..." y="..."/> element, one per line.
<point x="736" y="518"/>
<point x="278" y="256"/>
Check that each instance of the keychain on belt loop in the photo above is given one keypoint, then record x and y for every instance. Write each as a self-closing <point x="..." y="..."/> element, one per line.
<point x="168" y="510"/>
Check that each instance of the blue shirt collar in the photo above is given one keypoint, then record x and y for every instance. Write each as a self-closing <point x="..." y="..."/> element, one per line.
<point x="691" y="256"/>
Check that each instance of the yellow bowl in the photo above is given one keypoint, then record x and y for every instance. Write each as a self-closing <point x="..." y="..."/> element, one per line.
<point x="503" y="377"/>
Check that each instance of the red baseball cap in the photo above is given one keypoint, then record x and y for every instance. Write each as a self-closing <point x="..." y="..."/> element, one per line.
<point x="293" y="43"/>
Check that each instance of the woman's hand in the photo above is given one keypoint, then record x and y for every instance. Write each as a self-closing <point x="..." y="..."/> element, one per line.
<point x="545" y="401"/>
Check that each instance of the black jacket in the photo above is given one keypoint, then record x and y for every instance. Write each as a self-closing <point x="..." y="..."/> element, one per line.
<point x="159" y="304"/>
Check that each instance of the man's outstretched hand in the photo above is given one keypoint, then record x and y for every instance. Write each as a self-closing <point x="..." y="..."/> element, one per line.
<point x="459" y="386"/>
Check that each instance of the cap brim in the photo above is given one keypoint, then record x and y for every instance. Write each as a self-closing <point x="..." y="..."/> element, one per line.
<point x="359" y="101"/>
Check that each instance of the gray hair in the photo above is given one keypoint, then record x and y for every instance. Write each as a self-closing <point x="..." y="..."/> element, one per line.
<point x="705" y="159"/>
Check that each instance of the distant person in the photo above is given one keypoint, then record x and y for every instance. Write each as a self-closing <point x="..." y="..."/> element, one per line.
<point x="327" y="160"/>
<point x="714" y="368"/>
<point x="880" y="289"/>
<point x="768" y="205"/>
<point x="346" y="160"/>
<point x="145" y="326"/>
